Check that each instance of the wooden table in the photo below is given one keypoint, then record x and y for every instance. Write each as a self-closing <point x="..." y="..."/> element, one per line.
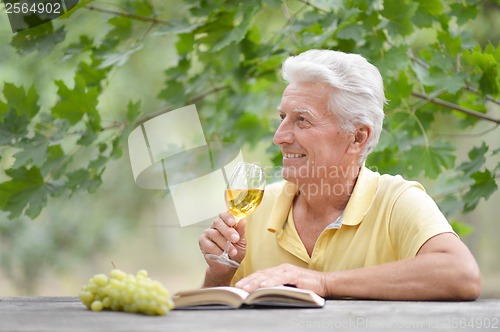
<point x="68" y="314"/>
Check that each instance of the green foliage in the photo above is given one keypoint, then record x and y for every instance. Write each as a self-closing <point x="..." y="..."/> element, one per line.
<point x="228" y="57"/>
<point x="25" y="190"/>
<point x="461" y="229"/>
<point x="484" y="185"/>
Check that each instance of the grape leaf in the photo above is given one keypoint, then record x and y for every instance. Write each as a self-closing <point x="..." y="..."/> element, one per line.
<point x="133" y="110"/>
<point x="397" y="89"/>
<point x="354" y="31"/>
<point x="238" y="33"/>
<point x="139" y="7"/>
<point x="463" y="13"/>
<point x="92" y="73"/>
<point x="90" y="134"/>
<point x="20" y="108"/>
<point x="427" y="12"/>
<point x="487" y="65"/>
<point x="393" y="61"/>
<point x="41" y="38"/>
<point x="74" y="103"/>
<point x="451" y="44"/>
<point x="56" y="162"/>
<point x="83" y="180"/>
<point x="450" y="81"/>
<point x="215" y="29"/>
<point x="432" y="159"/>
<point x="32" y="150"/>
<point x="488" y="83"/>
<point x="484" y="185"/>
<point x="476" y="160"/>
<point x="399" y="14"/>
<point x="121" y="31"/>
<point x="13" y="126"/>
<point x="26" y="191"/>
<point x="174" y="92"/>
<point x="20" y="100"/>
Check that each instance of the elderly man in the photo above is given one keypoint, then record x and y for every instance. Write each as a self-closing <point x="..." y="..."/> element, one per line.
<point x="333" y="226"/>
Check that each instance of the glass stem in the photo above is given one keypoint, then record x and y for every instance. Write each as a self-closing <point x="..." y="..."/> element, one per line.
<point x="226" y="249"/>
<point x="228" y="243"/>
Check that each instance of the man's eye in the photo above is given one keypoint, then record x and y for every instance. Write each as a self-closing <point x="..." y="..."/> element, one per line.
<point x="303" y="122"/>
<point x="282" y="117"/>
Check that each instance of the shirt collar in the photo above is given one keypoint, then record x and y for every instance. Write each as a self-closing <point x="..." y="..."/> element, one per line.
<point x="281" y="207"/>
<point x="361" y="198"/>
<point x="359" y="203"/>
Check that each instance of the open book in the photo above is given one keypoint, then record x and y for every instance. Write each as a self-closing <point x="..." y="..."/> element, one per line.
<point x="231" y="297"/>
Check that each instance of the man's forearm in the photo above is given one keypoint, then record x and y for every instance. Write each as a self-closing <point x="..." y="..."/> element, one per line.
<point x="217" y="279"/>
<point x="433" y="276"/>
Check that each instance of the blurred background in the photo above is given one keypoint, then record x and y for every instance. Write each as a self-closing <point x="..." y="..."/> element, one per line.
<point x="137" y="59"/>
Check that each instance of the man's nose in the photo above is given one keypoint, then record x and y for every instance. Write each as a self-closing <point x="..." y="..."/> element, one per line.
<point x="283" y="134"/>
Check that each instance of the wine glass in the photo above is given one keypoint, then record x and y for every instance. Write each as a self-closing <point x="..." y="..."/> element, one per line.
<point x="243" y="194"/>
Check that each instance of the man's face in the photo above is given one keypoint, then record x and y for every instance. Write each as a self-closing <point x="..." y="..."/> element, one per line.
<point x="311" y="141"/>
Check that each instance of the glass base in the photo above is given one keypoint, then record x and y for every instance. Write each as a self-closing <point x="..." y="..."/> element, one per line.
<point x="223" y="259"/>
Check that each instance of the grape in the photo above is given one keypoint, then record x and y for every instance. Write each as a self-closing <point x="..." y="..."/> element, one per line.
<point x="96" y="306"/>
<point x="126" y="292"/>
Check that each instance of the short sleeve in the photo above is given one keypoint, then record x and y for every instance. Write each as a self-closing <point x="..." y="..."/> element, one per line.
<point x="415" y="219"/>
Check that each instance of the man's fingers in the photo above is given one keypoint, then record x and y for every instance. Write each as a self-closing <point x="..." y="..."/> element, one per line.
<point x="228" y="218"/>
<point x="241" y="227"/>
<point x="274" y="276"/>
<point x="259" y="280"/>
<point x="215" y="237"/>
<point x="228" y="232"/>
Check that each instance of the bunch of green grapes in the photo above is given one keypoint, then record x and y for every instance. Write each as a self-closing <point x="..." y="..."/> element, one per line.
<point x="126" y="292"/>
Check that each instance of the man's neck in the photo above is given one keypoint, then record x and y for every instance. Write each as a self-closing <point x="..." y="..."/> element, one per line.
<point x="328" y="194"/>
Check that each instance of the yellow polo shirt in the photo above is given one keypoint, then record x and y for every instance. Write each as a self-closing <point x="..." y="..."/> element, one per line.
<point x="386" y="219"/>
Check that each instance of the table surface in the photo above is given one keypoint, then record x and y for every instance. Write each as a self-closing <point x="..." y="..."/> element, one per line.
<point x="68" y="314"/>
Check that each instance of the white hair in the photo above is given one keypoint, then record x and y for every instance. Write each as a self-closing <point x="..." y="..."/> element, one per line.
<point x="358" y="94"/>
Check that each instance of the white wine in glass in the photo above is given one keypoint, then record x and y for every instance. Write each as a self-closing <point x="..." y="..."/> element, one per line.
<point x="242" y="202"/>
<point x="243" y="194"/>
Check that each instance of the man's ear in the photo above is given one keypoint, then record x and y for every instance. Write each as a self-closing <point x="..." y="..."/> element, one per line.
<point x="360" y="138"/>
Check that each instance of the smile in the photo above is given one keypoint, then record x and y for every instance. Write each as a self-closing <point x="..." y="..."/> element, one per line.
<point x="293" y="155"/>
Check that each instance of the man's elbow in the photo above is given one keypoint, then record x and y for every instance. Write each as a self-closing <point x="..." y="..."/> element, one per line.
<point x="469" y="283"/>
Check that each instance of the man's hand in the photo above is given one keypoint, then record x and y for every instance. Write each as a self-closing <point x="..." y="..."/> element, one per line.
<point x="285" y="274"/>
<point x="213" y="241"/>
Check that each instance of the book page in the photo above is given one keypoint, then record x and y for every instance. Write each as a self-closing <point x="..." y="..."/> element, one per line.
<point x="286" y="296"/>
<point x="227" y="296"/>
